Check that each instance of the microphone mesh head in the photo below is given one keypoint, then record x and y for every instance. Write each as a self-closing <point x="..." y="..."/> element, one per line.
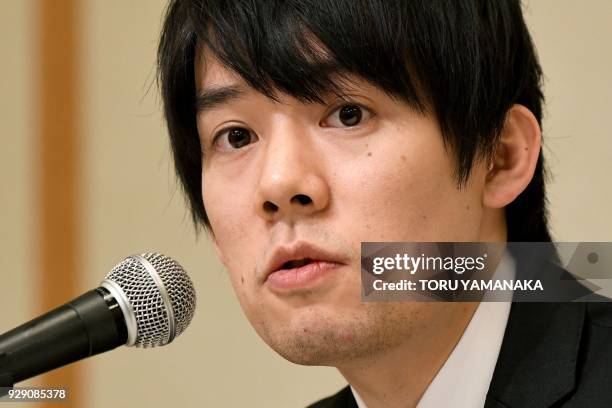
<point x="154" y="327"/>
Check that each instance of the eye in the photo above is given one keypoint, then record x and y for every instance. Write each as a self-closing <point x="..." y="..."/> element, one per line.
<point x="347" y="116"/>
<point x="234" y="138"/>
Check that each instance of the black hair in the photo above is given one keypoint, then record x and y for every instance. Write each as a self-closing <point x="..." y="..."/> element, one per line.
<point x="465" y="61"/>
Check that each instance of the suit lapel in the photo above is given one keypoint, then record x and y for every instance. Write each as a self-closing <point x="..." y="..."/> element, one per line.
<point x="537" y="361"/>
<point x="343" y="399"/>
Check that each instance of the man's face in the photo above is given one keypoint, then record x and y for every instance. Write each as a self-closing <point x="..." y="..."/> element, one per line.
<point x="306" y="182"/>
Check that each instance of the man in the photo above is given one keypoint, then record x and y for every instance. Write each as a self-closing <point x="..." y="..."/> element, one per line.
<point x="302" y="128"/>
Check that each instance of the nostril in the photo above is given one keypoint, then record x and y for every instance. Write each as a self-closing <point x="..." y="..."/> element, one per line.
<point x="302" y="199"/>
<point x="270" y="207"/>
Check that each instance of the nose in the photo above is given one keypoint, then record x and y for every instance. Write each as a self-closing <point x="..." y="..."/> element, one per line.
<point x="292" y="184"/>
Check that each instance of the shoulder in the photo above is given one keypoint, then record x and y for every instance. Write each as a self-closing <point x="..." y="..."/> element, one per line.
<point x="597" y="338"/>
<point x="595" y="371"/>
<point x="600" y="314"/>
<point x="598" y="335"/>
<point x="342" y="399"/>
<point x="556" y="353"/>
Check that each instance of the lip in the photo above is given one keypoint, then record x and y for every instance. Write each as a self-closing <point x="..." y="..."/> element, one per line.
<point x="300" y="277"/>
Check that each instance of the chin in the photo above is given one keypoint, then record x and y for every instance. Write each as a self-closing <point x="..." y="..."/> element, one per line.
<point x="318" y="338"/>
<point x="310" y="349"/>
<point x="305" y="337"/>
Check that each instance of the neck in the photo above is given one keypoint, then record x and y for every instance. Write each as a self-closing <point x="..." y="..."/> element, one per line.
<point x="398" y="377"/>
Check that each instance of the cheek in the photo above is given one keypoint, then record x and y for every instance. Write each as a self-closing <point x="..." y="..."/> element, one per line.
<point x="239" y="242"/>
<point x="408" y="195"/>
<point x="229" y="214"/>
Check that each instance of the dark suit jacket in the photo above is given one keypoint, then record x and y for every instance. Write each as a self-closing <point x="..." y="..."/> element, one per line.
<point x="552" y="355"/>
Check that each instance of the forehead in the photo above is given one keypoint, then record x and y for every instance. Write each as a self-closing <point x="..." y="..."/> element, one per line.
<point x="321" y="79"/>
<point x="214" y="80"/>
<point x="211" y="73"/>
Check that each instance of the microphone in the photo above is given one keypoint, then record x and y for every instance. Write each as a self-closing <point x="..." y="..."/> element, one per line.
<point x="145" y="301"/>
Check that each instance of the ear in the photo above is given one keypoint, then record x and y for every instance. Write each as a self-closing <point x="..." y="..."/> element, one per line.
<point x="515" y="158"/>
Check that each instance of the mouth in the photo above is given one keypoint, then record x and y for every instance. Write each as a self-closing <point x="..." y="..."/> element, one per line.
<point x="296" y="263"/>
<point x="300" y="266"/>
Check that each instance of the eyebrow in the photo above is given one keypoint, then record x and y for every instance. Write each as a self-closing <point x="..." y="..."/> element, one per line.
<point x="207" y="99"/>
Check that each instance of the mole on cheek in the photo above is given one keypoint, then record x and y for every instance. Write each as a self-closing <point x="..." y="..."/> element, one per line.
<point x="369" y="153"/>
<point x="403" y="157"/>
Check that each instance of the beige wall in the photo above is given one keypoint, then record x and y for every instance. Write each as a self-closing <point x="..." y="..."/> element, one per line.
<point x="573" y="40"/>
<point x="132" y="202"/>
<point x="16" y="170"/>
